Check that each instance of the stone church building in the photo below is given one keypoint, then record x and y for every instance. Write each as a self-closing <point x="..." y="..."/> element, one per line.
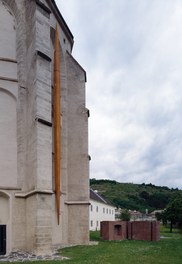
<point x="37" y="210"/>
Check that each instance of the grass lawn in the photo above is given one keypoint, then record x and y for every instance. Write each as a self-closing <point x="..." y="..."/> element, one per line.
<point x="167" y="250"/>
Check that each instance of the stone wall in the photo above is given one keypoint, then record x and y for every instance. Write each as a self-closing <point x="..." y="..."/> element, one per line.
<point x="26" y="92"/>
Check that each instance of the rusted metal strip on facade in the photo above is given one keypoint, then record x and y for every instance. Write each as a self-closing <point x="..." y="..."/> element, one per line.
<point x="57" y="123"/>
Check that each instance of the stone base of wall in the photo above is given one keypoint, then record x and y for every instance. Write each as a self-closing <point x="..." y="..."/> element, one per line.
<point x="137" y="230"/>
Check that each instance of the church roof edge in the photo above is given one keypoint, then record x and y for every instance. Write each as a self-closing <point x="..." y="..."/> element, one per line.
<point x="61" y="21"/>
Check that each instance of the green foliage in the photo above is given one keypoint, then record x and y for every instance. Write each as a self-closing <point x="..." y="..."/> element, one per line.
<point x="173" y="212"/>
<point x="95" y="236"/>
<point x="158" y="216"/>
<point x="125" y="215"/>
<point x="134" y="196"/>
<point x="145" y="195"/>
<point x="94" y="181"/>
<point x="167" y="250"/>
<point x="158" y="200"/>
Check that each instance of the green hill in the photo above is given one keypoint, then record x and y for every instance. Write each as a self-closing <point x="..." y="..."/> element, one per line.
<point x="133" y="196"/>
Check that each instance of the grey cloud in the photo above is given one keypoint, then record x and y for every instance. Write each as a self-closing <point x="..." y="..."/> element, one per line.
<point x="131" y="51"/>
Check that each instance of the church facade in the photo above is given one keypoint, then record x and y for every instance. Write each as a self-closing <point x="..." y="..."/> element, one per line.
<point x="38" y="211"/>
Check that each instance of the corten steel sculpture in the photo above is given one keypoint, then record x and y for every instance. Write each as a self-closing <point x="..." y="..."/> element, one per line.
<point x="57" y="127"/>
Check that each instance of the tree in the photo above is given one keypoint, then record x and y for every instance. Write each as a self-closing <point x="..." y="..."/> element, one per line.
<point x="161" y="217"/>
<point x="158" y="200"/>
<point x="173" y="212"/>
<point x="125" y="215"/>
<point x="158" y="216"/>
<point x="145" y="195"/>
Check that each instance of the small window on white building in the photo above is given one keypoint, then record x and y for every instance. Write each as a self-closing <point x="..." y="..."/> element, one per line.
<point x="97" y="208"/>
<point x="107" y="211"/>
<point x="91" y="223"/>
<point x="91" y="207"/>
<point x="97" y="223"/>
<point x="104" y="210"/>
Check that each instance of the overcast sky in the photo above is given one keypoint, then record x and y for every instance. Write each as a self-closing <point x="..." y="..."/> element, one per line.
<point x="132" y="53"/>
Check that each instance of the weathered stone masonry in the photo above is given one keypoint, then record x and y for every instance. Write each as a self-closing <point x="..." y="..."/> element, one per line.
<point x="27" y="190"/>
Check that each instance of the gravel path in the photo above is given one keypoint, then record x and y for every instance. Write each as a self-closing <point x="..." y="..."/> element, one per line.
<point x="25" y="256"/>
